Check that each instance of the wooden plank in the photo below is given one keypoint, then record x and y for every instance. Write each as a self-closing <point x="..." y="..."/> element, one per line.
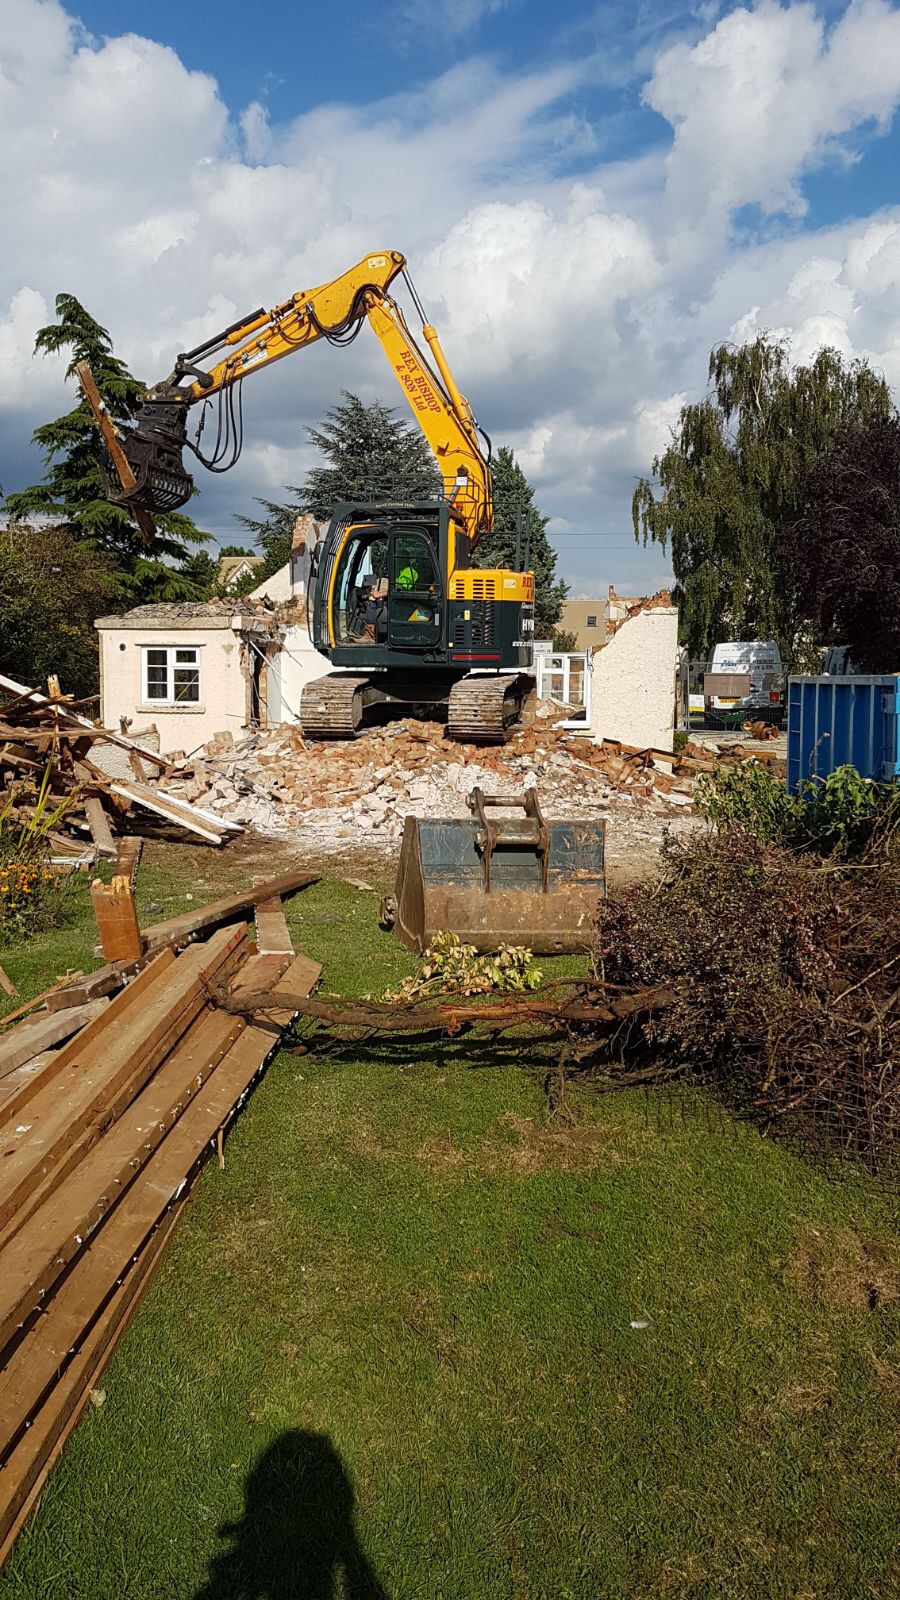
<point x="117" y="922"/>
<point x="6" y="984"/>
<point x="91" y="985"/>
<point x="200" y="811"/>
<point x="25" y="1473"/>
<point x="66" y="1116"/>
<point x="39" y="1033"/>
<point x="179" y="929"/>
<point x="183" y="816"/>
<point x="30" y="1005"/>
<point x="71" y="718"/>
<point x="142" y="516"/>
<point x="301" y="978"/>
<point x="128" y="856"/>
<point x="98" y="822"/>
<point x="58" y="1341"/>
<point x="77" y="1050"/>
<point x="13" y="1081"/>
<point x="33" y="1261"/>
<point x="272" y="933"/>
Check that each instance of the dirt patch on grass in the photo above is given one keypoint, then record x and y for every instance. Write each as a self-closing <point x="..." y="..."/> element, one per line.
<point x="440" y="1154"/>
<point x="534" y="1147"/>
<point x="579" y="1146"/>
<point x="842" y="1268"/>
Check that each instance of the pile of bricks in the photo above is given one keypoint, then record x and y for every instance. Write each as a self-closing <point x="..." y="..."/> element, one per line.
<point x="278" y="782"/>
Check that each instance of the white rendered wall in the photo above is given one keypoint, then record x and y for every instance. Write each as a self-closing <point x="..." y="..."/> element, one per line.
<point x="300" y="662"/>
<point x="633" y="690"/>
<point x="223" y="693"/>
<point x="276" y="588"/>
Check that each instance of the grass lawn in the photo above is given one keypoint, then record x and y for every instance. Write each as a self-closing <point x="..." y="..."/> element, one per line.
<point x="417" y="1340"/>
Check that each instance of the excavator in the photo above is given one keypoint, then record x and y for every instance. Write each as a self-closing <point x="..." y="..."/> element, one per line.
<point x="397" y="605"/>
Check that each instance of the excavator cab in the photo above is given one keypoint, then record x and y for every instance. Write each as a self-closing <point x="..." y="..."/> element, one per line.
<point x="379" y="597"/>
<point x="387" y="590"/>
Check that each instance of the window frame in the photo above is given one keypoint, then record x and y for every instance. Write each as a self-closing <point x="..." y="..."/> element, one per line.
<point x="591" y="619"/>
<point x="169" y="702"/>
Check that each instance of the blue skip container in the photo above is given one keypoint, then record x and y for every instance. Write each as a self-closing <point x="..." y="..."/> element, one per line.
<point x="843" y="722"/>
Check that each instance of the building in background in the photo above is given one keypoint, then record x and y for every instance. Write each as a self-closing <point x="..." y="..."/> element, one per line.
<point x="232" y="569"/>
<point x="587" y="620"/>
<point x="192" y="670"/>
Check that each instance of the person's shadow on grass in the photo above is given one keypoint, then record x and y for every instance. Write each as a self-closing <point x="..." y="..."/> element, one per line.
<point x="298" y="1530"/>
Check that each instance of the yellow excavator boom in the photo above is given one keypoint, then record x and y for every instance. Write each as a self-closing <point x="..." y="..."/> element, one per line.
<point x="155" y="478"/>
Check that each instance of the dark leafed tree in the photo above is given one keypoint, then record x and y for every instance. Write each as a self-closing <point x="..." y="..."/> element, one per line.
<point x="368" y="454"/>
<point x="734" y="477"/>
<point x="52" y="587"/>
<point x="71" y="493"/>
<point x="844" y="553"/>
<point x="513" y="495"/>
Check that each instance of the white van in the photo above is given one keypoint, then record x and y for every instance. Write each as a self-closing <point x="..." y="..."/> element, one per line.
<point x="758" y="659"/>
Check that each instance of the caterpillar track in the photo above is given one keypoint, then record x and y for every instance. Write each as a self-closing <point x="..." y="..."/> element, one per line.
<point x="480" y="709"/>
<point x="487" y="710"/>
<point x="333" y="707"/>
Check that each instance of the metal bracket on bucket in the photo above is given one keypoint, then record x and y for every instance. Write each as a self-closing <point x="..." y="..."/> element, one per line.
<point x="528" y="830"/>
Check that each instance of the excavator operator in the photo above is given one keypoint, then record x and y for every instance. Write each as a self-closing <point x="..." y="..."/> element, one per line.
<point x="370" y="616"/>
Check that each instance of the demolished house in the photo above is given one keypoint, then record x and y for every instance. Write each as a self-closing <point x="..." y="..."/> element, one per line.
<point x="194" y="669"/>
<point x="191" y="669"/>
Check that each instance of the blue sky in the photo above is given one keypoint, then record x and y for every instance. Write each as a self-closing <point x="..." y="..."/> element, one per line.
<point x="589" y="197"/>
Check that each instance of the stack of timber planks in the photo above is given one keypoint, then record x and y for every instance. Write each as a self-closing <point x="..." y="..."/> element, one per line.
<point x="98" y="1150"/>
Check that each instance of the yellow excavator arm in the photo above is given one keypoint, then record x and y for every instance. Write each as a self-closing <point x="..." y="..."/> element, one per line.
<point x="147" y="461"/>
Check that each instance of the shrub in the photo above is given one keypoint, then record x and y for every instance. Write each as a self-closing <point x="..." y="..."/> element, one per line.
<point x="32" y="897"/>
<point x="843" y="815"/>
<point x="783" y="977"/>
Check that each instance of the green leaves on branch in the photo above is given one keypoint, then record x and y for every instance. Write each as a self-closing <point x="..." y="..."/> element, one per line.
<point x="449" y="967"/>
<point x="843" y="815"/>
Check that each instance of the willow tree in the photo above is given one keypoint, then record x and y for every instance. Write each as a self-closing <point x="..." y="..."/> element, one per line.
<point x="734" y="482"/>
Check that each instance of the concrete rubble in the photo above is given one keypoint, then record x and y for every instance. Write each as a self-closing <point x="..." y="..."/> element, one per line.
<point x="357" y="791"/>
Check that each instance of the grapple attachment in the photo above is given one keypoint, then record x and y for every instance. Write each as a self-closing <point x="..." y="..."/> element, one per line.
<point x="142" y="469"/>
<point x="499" y="880"/>
<point x="157" y="479"/>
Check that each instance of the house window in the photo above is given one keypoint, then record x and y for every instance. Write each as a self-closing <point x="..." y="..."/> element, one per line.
<point x="591" y="620"/>
<point x="171" y="674"/>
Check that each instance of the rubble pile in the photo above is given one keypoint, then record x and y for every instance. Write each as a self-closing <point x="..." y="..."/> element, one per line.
<point x="277" y="782"/>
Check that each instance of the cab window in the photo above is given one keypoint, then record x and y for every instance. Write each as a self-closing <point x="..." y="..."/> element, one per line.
<point x="413" y="563"/>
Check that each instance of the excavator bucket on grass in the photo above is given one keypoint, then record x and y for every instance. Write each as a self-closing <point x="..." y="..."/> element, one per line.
<point x="499" y="880"/>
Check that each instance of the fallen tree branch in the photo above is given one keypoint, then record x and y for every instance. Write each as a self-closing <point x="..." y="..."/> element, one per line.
<point x="452" y="1015"/>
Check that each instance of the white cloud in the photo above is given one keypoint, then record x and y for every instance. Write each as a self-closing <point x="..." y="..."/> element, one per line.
<point x="767" y="94"/>
<point x="445" y="18"/>
<point x="21" y="377"/>
<point x="577" y="312"/>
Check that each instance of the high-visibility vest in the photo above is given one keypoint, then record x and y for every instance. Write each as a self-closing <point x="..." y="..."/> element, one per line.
<point x="407" y="577"/>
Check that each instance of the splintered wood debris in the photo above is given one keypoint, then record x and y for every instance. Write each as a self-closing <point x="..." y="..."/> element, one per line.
<point x="46" y="737"/>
